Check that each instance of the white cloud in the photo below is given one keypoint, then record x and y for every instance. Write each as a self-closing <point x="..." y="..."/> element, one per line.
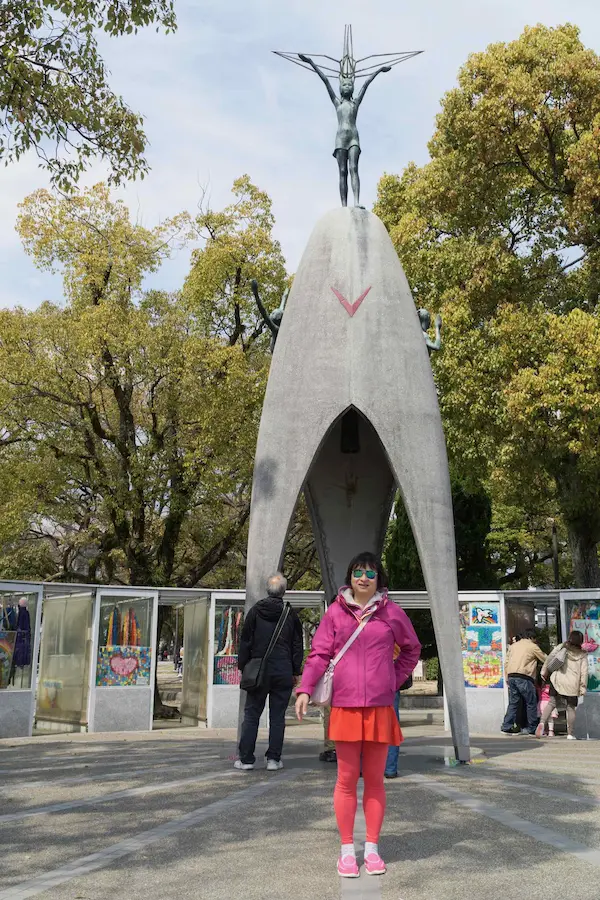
<point x="217" y="103"/>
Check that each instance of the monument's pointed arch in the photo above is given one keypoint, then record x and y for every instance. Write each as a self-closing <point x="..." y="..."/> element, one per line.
<point x="350" y="344"/>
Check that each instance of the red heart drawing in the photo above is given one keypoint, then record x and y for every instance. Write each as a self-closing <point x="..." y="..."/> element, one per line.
<point x="124" y="665"/>
<point x="350" y="307"/>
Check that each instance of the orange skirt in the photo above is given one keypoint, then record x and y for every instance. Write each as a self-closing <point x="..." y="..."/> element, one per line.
<point x="369" y="723"/>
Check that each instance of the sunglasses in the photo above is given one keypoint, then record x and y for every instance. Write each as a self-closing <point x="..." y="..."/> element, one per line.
<point x="370" y="573"/>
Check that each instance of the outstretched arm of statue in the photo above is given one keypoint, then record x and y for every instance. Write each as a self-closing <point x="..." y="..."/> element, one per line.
<point x="322" y="76"/>
<point x="438" y="333"/>
<point x="284" y="296"/>
<point x="267" y="318"/>
<point x="371" y="78"/>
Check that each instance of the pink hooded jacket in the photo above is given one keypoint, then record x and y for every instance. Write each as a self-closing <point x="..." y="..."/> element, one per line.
<point x="367" y="674"/>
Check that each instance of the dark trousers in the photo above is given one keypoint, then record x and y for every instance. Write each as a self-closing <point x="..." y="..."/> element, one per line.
<point x="521" y="688"/>
<point x="279" y="692"/>
<point x="391" y="763"/>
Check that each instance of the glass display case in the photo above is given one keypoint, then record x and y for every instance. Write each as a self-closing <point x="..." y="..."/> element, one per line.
<point x="195" y="674"/>
<point x="17" y="624"/>
<point x="62" y="695"/>
<point x="584" y="615"/>
<point x="124" y="642"/>
<point x="229" y="621"/>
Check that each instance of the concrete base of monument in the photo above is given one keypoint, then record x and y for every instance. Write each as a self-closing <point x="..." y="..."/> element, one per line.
<point x="587" y="720"/>
<point x="486" y="708"/>
<point x="350" y="413"/>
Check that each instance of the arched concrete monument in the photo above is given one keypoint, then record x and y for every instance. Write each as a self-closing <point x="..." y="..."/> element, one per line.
<point x="350" y="413"/>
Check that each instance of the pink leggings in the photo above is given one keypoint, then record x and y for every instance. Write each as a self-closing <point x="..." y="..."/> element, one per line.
<point x="374" y="756"/>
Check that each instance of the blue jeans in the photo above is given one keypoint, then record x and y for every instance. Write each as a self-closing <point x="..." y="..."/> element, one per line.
<point x="391" y="765"/>
<point x="521" y="688"/>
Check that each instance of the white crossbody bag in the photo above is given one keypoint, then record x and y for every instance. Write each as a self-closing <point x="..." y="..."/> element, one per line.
<point x="323" y="690"/>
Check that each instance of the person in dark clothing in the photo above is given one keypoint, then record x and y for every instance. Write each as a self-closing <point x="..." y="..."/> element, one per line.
<point x="283" y="670"/>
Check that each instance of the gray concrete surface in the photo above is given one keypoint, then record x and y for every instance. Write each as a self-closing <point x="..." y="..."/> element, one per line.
<point x="86" y="817"/>
<point x="334" y="354"/>
<point x="16" y="713"/>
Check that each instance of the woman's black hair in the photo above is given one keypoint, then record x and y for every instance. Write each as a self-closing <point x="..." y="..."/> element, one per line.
<point x="369" y="561"/>
<point x="575" y="639"/>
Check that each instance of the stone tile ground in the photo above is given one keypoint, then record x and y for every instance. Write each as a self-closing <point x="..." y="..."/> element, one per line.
<point x="164" y="815"/>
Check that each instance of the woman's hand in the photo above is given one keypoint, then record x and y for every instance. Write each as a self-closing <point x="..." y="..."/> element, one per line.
<point x="301" y="706"/>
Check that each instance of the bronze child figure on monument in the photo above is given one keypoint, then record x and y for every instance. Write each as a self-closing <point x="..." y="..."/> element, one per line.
<point x="349" y="70"/>
<point x="347" y="145"/>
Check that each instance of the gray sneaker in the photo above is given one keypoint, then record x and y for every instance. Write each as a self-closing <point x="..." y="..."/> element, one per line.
<point x="238" y="764"/>
<point x="273" y="765"/>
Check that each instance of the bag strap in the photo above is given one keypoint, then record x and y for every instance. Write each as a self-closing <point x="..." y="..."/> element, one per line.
<point x="350" y="640"/>
<point x="278" y="629"/>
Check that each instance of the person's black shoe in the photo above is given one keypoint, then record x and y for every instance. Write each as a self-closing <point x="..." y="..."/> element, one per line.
<point x="328" y="756"/>
<point x="391" y="775"/>
<point x="507" y="731"/>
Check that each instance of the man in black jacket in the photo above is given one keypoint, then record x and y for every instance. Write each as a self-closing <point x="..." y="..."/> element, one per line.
<point x="283" y="669"/>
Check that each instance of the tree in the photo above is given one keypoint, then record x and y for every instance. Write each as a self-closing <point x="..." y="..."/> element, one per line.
<point x="238" y="245"/>
<point x="126" y="434"/>
<point x="54" y="93"/>
<point x="499" y="231"/>
<point x="472" y="525"/>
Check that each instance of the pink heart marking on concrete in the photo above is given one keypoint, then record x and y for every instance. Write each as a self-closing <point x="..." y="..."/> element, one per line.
<point x="350" y="307"/>
<point x="124" y="665"/>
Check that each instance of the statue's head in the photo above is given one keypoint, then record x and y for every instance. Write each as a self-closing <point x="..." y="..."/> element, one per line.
<point x="346" y="87"/>
<point x="347" y="67"/>
<point x="425" y="319"/>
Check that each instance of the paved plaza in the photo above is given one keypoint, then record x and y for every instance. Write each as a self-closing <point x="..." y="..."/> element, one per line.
<point x="164" y="815"/>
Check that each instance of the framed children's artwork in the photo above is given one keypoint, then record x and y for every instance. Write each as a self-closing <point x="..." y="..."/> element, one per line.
<point x="584" y="616"/>
<point x="481" y="641"/>
<point x="484" y="613"/>
<point x="123" y="666"/>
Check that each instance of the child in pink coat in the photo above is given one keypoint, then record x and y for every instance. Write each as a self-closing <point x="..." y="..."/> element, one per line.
<point x="543" y="698"/>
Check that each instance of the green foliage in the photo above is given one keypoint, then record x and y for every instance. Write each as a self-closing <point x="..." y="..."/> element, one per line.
<point x="499" y="232"/>
<point x="472" y="524"/>
<point x="126" y="433"/>
<point x="128" y="419"/>
<point x="54" y="93"/>
<point x="238" y="246"/>
<point x="432" y="669"/>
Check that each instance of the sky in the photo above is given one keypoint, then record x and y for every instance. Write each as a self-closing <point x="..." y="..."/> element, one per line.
<point x="218" y="104"/>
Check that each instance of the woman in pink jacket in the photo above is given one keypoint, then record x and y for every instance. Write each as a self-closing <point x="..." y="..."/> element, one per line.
<point x="363" y="722"/>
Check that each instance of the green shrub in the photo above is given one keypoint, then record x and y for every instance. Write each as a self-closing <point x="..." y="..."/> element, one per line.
<point x="432" y="669"/>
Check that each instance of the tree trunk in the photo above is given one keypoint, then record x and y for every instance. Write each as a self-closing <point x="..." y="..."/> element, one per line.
<point x="584" y="553"/>
<point x="580" y="504"/>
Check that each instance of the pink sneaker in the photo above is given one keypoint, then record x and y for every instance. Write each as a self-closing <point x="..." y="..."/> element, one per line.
<point x="539" y="731"/>
<point x="347" y="867"/>
<point x="374" y="865"/>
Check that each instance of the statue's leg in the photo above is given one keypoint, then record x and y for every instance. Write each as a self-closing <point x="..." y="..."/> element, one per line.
<point x="342" y="159"/>
<point x="353" y="155"/>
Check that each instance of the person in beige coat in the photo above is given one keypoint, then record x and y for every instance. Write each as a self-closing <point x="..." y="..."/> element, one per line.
<point x="521" y="669"/>
<point x="566" y="684"/>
